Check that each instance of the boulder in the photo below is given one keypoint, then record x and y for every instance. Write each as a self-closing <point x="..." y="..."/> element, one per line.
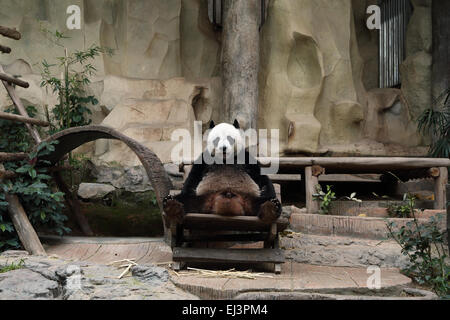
<point x="94" y="190"/>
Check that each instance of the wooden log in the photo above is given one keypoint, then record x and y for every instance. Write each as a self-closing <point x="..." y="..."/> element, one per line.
<point x="15" y="81"/>
<point x="228" y="255"/>
<point x="15" y="117"/>
<point x="440" y="183"/>
<point x="213" y="237"/>
<point x="27" y="235"/>
<point x="4" y="156"/>
<point x="25" y="230"/>
<point x="6" y="174"/>
<point x="311" y="183"/>
<point x="448" y="217"/>
<point x="4" y="49"/>
<point x="74" y="204"/>
<point x="10" y="33"/>
<point x="240" y="61"/>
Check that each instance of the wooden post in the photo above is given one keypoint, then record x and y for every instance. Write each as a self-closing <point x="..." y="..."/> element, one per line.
<point x="440" y="183"/>
<point x="440" y="79"/>
<point x="74" y="204"/>
<point x="25" y="230"/>
<point x="240" y="61"/>
<point x="448" y="217"/>
<point x="311" y="182"/>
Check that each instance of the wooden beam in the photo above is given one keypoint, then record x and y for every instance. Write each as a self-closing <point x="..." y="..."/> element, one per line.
<point x="4" y="156"/>
<point x="201" y="221"/>
<point x="440" y="183"/>
<point x="24" y="229"/>
<point x="369" y="164"/>
<point x="15" y="81"/>
<point x="10" y="33"/>
<point x="311" y="183"/>
<point x="6" y="174"/>
<point x="18" y="103"/>
<point x="228" y="255"/>
<point x="15" y="117"/>
<point x="4" y="49"/>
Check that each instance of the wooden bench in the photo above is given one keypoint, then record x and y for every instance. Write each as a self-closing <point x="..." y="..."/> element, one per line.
<point x="209" y="228"/>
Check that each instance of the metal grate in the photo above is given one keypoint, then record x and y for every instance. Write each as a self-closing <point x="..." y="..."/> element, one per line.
<point x="395" y="16"/>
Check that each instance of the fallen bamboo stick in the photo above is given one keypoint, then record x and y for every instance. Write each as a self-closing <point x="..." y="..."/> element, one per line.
<point x="15" y="117"/>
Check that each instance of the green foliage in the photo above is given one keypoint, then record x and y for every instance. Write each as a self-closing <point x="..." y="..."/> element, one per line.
<point x="404" y="210"/>
<point x="12" y="266"/>
<point x="32" y="186"/>
<point x="76" y="68"/>
<point x="325" y="199"/>
<point x="423" y="243"/>
<point x="436" y="123"/>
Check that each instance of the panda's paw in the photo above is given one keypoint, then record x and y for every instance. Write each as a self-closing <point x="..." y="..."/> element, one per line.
<point x="173" y="209"/>
<point x="270" y="211"/>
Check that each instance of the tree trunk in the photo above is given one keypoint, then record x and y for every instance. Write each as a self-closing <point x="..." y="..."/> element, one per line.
<point x="240" y="61"/>
<point x="441" y="47"/>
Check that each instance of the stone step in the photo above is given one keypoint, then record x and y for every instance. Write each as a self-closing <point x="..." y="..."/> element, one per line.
<point x="342" y="251"/>
<point x="353" y="226"/>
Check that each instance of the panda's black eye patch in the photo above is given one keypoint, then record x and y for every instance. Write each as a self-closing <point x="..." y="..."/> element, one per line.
<point x="216" y="141"/>
<point x="230" y="140"/>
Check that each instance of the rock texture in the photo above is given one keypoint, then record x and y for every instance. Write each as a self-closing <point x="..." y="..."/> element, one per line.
<point x="94" y="190"/>
<point x="317" y="82"/>
<point x="51" y="278"/>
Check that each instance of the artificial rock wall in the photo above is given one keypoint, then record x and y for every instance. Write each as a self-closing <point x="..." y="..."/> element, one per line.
<point x="318" y="73"/>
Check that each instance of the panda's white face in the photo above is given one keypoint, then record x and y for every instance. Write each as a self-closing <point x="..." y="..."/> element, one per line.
<point x="224" y="140"/>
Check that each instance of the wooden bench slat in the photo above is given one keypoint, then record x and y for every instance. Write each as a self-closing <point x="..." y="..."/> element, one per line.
<point x="228" y="255"/>
<point x="201" y="221"/>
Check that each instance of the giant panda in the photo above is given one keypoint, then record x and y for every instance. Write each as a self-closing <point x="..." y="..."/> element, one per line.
<point x="225" y="186"/>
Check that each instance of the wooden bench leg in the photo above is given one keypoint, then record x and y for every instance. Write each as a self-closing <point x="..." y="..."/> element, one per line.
<point x="310" y="187"/>
<point x="277" y="268"/>
<point x="178" y="265"/>
<point x="440" y="183"/>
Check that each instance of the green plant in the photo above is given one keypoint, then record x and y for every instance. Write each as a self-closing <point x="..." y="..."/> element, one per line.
<point x="12" y="266"/>
<point x="32" y="186"/>
<point x="77" y="69"/>
<point x="423" y="243"/>
<point x="404" y="210"/>
<point x="325" y="199"/>
<point x="436" y="123"/>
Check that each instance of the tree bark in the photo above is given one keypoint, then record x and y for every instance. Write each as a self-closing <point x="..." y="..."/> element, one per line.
<point x="441" y="47"/>
<point x="240" y="61"/>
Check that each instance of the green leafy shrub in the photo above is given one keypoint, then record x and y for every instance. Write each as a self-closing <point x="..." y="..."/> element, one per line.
<point x="423" y="243"/>
<point x="404" y="210"/>
<point x="435" y="122"/>
<point x="33" y="185"/>
<point x="325" y="199"/>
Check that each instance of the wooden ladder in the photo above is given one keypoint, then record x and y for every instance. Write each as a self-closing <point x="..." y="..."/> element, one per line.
<point x="25" y="230"/>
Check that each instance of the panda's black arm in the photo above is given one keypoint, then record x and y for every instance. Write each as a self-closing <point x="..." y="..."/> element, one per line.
<point x="267" y="189"/>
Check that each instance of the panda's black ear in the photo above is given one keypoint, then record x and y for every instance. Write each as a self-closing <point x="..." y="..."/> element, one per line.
<point x="236" y="124"/>
<point x="211" y="124"/>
